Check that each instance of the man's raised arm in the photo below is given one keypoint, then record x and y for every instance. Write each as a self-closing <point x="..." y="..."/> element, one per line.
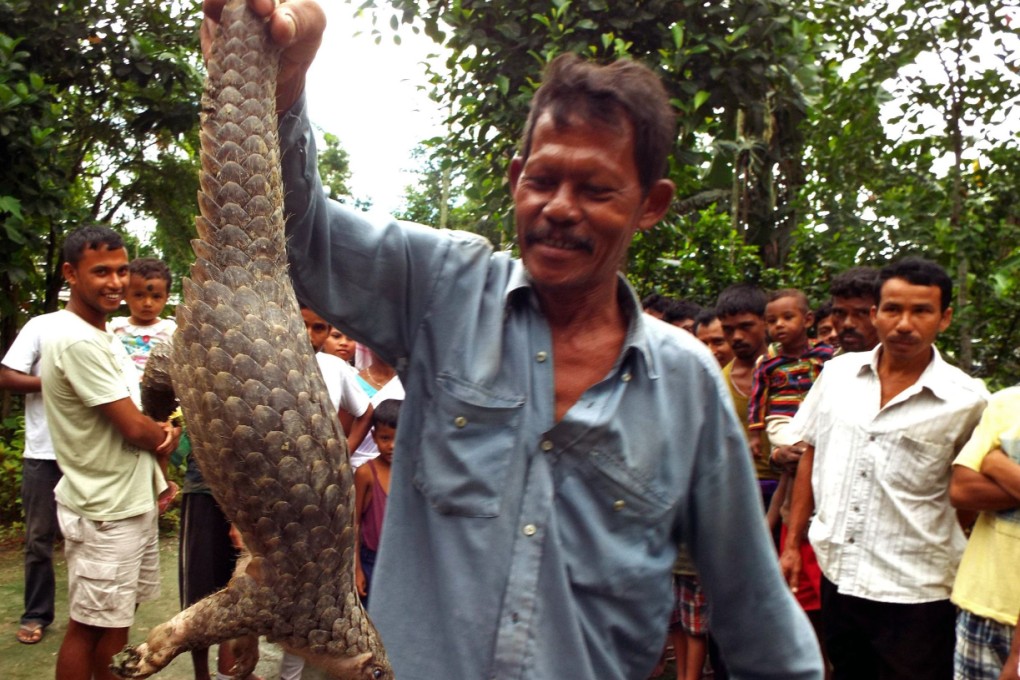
<point x="296" y="26"/>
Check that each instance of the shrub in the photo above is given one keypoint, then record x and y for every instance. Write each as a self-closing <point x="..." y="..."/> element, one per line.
<point x="12" y="448"/>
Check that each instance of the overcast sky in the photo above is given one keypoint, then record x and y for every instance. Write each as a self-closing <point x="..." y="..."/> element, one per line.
<point x="368" y="95"/>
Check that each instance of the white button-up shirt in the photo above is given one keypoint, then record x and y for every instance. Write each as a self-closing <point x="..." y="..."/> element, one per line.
<point x="883" y="528"/>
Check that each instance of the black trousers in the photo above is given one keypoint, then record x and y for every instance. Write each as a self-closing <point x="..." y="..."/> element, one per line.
<point x="868" y="640"/>
<point x="38" y="478"/>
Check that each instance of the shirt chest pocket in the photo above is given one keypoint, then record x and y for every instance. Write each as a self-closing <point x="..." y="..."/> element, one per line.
<point x="466" y="447"/>
<point x="919" y="467"/>
<point x="615" y="524"/>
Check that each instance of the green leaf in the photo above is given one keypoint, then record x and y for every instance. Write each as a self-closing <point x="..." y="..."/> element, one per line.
<point x="10" y="204"/>
<point x="677" y="31"/>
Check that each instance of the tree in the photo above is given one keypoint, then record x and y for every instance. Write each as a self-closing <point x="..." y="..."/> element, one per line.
<point x="734" y="71"/>
<point x="99" y="111"/>
<point x="792" y="163"/>
<point x="890" y="144"/>
<point x="437" y="198"/>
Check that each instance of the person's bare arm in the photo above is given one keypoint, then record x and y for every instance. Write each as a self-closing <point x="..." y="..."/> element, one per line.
<point x="346" y="419"/>
<point x="296" y="26"/>
<point x="976" y="491"/>
<point x="801" y="507"/>
<point x="786" y="457"/>
<point x="1004" y="472"/>
<point x="18" y="382"/>
<point x="362" y="499"/>
<point x="359" y="429"/>
<point x="139" y="429"/>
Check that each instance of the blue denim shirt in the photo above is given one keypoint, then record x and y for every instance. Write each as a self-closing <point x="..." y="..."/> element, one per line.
<point x="515" y="546"/>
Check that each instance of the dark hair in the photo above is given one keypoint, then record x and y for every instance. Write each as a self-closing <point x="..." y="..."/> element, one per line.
<point x="855" y="282"/>
<point x="151" y="268"/>
<point x="919" y="272"/>
<point x="655" y="302"/>
<point x="704" y="318"/>
<point x="795" y="293"/>
<point x="90" y="237"/>
<point x="680" y="309"/>
<point x="824" y="310"/>
<point x="741" y="298"/>
<point x="606" y="94"/>
<point x="387" y="413"/>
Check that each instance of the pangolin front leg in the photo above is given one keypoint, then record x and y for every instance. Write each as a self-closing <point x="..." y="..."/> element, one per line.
<point x="231" y="613"/>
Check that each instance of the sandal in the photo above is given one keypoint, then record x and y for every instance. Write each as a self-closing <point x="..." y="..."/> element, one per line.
<point x="30" y="633"/>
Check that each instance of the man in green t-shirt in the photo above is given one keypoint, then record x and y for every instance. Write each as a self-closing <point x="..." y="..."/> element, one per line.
<point x="107" y="450"/>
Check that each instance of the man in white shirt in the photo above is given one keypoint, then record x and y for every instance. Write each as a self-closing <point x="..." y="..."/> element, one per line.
<point x="879" y="433"/>
<point x="40" y="474"/>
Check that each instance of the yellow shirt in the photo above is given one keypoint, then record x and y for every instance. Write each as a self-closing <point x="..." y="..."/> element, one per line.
<point x="987" y="583"/>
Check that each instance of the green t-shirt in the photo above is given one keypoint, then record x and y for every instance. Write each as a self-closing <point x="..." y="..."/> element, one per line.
<point x="105" y="477"/>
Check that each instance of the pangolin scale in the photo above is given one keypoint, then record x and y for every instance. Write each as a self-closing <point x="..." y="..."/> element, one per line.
<point x="267" y="440"/>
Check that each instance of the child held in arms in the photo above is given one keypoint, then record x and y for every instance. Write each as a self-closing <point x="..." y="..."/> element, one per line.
<point x="782" y="378"/>
<point x="147" y="294"/>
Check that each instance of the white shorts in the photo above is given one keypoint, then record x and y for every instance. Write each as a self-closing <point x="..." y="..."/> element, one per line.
<point x="111" y="566"/>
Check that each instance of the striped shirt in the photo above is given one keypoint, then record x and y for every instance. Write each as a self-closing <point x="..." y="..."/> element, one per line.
<point x="781" y="382"/>
<point x="883" y="528"/>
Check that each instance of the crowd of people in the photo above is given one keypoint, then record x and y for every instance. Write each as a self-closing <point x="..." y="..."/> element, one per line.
<point x="896" y="460"/>
<point x="84" y="495"/>
<point x="568" y="470"/>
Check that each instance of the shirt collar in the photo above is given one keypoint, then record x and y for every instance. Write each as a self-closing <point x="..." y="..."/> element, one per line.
<point x="518" y="289"/>
<point x="934" y="377"/>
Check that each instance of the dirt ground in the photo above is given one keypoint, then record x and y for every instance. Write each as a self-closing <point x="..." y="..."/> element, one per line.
<point x="32" y="662"/>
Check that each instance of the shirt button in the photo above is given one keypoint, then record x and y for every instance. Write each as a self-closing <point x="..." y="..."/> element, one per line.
<point x="850" y="540"/>
<point x="864" y="474"/>
<point x="541" y="356"/>
<point x="619" y="505"/>
<point x="460" y="421"/>
<point x="871" y="438"/>
<point x="529" y="529"/>
<point x="547" y="445"/>
<point x="625" y="377"/>
<point x="857" y="508"/>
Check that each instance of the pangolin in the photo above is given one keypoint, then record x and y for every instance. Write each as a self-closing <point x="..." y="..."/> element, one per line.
<point x="267" y="440"/>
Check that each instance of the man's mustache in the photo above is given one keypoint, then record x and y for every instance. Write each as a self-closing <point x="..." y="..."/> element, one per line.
<point x="558" y="238"/>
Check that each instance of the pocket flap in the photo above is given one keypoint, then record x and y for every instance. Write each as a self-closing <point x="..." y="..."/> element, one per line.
<point x="96" y="571"/>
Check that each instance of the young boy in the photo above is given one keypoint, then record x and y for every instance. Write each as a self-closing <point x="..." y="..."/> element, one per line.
<point x="781" y="380"/>
<point x="688" y="627"/>
<point x="147" y="292"/>
<point x="371" y="489"/>
<point x="353" y="406"/>
<point x="19" y="373"/>
<point x="107" y="450"/>
<point x="789" y="367"/>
